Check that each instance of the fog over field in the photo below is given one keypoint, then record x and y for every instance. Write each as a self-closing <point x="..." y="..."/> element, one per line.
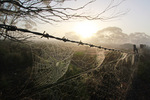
<point x="114" y="35"/>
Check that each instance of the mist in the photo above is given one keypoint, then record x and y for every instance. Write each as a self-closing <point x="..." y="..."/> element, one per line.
<point x="113" y="35"/>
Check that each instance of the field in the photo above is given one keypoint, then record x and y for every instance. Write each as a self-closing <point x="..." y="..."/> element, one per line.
<point x="57" y="71"/>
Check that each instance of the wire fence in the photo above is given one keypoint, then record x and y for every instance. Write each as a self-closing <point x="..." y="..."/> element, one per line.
<point x="46" y="35"/>
<point x="119" y="61"/>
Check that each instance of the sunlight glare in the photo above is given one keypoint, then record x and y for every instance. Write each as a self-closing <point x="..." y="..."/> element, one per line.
<point x="86" y="29"/>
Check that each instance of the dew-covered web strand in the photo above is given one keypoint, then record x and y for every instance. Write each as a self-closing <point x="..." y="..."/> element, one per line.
<point x="52" y="64"/>
<point x="50" y="61"/>
<point x="120" y="60"/>
<point x="39" y="66"/>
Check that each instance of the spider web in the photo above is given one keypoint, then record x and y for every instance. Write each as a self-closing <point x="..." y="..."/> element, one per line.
<point x="50" y="63"/>
<point x="64" y="70"/>
<point x="112" y="75"/>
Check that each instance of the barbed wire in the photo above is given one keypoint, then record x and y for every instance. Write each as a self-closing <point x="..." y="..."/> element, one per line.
<point x="46" y="35"/>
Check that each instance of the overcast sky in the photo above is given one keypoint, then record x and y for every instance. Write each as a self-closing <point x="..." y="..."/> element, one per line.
<point x="136" y="20"/>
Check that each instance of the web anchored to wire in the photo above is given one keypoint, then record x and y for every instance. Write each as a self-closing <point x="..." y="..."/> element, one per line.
<point x="46" y="35"/>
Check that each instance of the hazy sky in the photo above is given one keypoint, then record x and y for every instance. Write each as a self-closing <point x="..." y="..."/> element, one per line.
<point x="136" y="20"/>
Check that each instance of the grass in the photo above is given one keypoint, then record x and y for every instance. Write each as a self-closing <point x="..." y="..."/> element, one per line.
<point x="15" y="58"/>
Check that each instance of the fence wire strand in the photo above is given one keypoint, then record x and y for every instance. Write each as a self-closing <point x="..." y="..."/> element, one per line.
<point x="46" y="35"/>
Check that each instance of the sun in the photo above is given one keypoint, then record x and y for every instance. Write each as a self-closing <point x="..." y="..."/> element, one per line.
<point x="86" y="29"/>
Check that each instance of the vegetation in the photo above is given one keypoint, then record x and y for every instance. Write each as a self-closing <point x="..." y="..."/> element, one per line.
<point x="15" y="60"/>
<point x="83" y="79"/>
<point x="141" y="83"/>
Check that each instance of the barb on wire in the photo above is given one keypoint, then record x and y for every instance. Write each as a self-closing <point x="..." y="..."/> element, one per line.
<point x="46" y="35"/>
<point x="64" y="39"/>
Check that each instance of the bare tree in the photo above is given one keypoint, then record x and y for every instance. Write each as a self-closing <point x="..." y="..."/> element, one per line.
<point x="50" y="11"/>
